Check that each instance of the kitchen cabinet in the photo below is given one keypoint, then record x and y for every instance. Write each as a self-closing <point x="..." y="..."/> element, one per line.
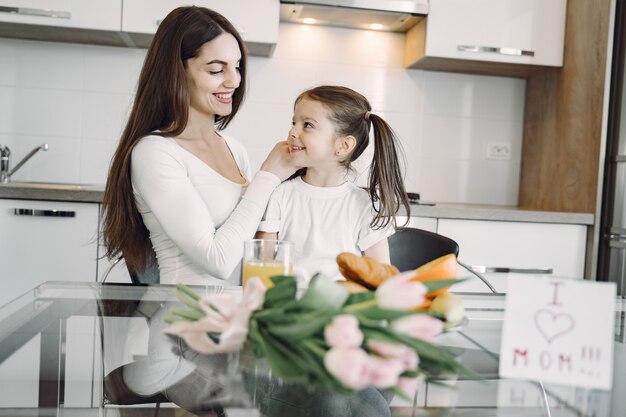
<point x="560" y="247"/>
<point x="38" y="244"/>
<point x="42" y="241"/>
<point x="84" y="14"/>
<point x="499" y="37"/>
<point x="130" y="23"/>
<point x="256" y="21"/>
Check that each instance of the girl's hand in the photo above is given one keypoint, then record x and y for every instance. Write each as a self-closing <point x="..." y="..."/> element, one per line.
<point x="278" y="161"/>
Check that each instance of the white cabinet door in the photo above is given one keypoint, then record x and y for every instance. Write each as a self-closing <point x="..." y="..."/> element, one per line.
<point x="37" y="246"/>
<point x="519" y="244"/>
<point x="83" y="14"/>
<point x="256" y="21"/>
<point x="40" y="247"/>
<point x="514" y="31"/>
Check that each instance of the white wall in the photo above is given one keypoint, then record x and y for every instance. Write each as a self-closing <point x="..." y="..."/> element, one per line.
<point x="76" y="98"/>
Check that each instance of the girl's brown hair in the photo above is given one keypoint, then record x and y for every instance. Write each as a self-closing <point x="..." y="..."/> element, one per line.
<point x="161" y="104"/>
<point x="351" y="114"/>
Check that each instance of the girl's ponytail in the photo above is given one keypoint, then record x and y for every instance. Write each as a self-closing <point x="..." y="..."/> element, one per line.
<point x="386" y="185"/>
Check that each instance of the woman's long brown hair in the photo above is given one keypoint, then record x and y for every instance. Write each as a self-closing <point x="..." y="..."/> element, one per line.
<point x="161" y="104"/>
<point x="349" y="111"/>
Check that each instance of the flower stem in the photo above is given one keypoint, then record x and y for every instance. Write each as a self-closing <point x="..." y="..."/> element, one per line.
<point x="314" y="347"/>
<point x="188" y="291"/>
<point x="191" y="302"/>
<point x="191" y="315"/>
<point x="360" y="306"/>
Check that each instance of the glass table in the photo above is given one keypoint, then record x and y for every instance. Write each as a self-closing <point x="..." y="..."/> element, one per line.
<point x="61" y="344"/>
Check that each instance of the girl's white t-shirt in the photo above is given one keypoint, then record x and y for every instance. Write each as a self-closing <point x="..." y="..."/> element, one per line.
<point x="322" y="222"/>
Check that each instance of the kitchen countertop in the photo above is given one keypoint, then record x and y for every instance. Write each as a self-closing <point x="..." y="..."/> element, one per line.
<point x="94" y="194"/>
<point x="78" y="193"/>
<point x="497" y="213"/>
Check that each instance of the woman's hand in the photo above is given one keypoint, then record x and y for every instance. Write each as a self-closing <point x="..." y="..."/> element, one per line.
<point x="278" y="161"/>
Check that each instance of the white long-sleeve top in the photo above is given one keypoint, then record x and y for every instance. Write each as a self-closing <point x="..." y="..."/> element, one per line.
<point x="197" y="219"/>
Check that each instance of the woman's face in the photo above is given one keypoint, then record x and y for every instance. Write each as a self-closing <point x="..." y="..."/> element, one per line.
<point x="213" y="76"/>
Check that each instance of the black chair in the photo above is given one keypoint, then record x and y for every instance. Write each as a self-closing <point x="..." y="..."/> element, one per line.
<point x="411" y="248"/>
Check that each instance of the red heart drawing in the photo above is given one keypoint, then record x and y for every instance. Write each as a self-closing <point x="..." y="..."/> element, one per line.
<point x="553" y="325"/>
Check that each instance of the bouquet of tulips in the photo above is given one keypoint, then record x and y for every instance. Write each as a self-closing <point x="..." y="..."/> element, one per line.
<point x="327" y="338"/>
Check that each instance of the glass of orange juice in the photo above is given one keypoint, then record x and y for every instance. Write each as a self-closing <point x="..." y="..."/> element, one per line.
<point x="264" y="258"/>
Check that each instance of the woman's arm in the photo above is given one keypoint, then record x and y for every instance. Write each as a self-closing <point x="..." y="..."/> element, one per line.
<point x="162" y="182"/>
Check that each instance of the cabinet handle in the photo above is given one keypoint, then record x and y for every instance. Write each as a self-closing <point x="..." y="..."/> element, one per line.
<point x="483" y="269"/>
<point x="44" y="213"/>
<point x="494" y="50"/>
<point x="56" y="14"/>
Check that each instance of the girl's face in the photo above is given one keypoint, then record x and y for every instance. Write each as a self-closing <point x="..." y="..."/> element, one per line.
<point x="312" y="138"/>
<point x="213" y="76"/>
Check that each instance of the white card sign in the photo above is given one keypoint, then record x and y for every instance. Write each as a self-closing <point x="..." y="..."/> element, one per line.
<point x="559" y="331"/>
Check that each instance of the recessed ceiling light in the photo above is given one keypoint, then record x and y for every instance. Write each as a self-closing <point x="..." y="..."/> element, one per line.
<point x="309" y="20"/>
<point x="376" y="26"/>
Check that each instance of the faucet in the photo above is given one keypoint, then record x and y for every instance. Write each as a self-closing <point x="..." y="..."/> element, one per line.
<point x="5" y="161"/>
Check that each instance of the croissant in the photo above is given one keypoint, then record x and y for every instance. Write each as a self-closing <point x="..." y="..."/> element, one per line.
<point x="364" y="270"/>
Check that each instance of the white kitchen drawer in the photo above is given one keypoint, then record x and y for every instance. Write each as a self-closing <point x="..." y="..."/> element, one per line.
<point x="519" y="244"/>
<point x="35" y="249"/>
<point x="82" y="14"/>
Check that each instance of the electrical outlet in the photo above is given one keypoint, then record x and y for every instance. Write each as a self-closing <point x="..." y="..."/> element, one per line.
<point x="499" y="150"/>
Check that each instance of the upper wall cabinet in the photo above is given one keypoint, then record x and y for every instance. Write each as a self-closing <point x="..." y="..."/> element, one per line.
<point x="498" y="37"/>
<point x="130" y="23"/>
<point x="257" y="21"/>
<point x="83" y="14"/>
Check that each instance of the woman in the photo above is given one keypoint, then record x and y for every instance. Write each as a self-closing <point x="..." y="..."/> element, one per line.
<point x="177" y="187"/>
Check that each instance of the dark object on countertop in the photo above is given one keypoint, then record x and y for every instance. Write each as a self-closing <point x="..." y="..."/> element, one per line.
<point x="414" y="198"/>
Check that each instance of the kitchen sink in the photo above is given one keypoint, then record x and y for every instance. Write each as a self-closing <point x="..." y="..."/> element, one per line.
<point x="53" y="186"/>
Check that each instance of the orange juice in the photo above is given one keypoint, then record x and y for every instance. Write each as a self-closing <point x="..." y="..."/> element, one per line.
<point x="264" y="270"/>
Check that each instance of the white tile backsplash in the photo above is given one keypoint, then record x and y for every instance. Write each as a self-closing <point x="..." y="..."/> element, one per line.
<point x="77" y="99"/>
<point x="104" y="115"/>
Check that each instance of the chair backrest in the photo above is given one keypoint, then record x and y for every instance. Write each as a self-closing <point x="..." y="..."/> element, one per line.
<point x="411" y="248"/>
<point x="150" y="275"/>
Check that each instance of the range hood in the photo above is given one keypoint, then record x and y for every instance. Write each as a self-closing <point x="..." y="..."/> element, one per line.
<point x="387" y="15"/>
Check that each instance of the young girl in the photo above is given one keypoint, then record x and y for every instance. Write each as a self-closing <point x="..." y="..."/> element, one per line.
<point x="319" y="209"/>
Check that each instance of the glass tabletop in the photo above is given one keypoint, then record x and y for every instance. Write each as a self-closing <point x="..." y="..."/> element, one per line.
<point x="97" y="349"/>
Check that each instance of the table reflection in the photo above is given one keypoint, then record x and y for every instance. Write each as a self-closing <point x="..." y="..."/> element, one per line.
<point x="98" y="349"/>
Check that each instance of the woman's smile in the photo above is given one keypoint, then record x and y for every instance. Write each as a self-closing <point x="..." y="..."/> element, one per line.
<point x="224" y="98"/>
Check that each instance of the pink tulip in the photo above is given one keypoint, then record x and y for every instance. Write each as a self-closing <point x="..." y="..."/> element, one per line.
<point x="351" y="367"/>
<point x="384" y="373"/>
<point x="343" y="332"/>
<point x="223" y="316"/>
<point x="407" y="356"/>
<point x="400" y="293"/>
<point x="419" y="326"/>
